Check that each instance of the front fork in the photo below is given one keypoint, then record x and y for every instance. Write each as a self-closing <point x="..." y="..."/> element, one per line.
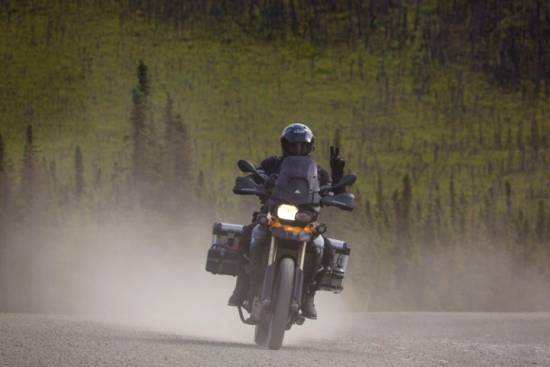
<point x="267" y="288"/>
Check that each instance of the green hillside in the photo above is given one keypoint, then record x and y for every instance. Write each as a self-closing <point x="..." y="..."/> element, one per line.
<point x="449" y="137"/>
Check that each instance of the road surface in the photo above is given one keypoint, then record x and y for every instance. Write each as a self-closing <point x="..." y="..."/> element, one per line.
<point x="357" y="339"/>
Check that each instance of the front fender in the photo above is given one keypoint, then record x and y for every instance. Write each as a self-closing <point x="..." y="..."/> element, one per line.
<point x="302" y="236"/>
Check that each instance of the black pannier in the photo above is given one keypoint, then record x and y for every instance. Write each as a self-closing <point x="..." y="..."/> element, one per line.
<point x="224" y="255"/>
<point x="333" y="281"/>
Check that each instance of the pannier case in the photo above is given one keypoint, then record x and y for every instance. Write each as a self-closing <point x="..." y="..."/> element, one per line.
<point x="224" y="256"/>
<point x="333" y="281"/>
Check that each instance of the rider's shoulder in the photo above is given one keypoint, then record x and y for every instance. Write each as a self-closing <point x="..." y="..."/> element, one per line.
<point x="270" y="163"/>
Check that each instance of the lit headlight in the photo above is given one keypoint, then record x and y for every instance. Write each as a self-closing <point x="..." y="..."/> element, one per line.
<point x="287" y="212"/>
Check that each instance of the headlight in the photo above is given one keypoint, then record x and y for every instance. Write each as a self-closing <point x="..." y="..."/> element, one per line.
<point x="287" y="212"/>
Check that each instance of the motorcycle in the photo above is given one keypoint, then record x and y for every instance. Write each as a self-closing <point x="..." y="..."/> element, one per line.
<point x="291" y="205"/>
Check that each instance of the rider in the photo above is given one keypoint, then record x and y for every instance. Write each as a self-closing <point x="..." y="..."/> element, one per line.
<point x="296" y="140"/>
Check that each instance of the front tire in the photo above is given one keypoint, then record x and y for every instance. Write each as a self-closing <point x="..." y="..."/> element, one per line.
<point x="260" y="334"/>
<point x="283" y="295"/>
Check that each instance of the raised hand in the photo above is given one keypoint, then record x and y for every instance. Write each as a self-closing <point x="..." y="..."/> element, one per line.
<point x="337" y="164"/>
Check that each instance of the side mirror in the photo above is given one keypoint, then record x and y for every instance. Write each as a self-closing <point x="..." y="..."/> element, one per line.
<point x="246" y="166"/>
<point x="343" y="201"/>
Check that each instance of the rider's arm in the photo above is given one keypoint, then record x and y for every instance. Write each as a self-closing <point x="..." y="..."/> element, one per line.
<point x="269" y="165"/>
<point x="326" y="180"/>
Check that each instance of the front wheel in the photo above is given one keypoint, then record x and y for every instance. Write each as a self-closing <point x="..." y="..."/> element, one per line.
<point x="283" y="295"/>
<point x="260" y="334"/>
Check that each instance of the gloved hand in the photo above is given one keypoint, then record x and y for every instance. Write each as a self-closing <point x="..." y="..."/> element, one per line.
<point x="270" y="183"/>
<point x="337" y="164"/>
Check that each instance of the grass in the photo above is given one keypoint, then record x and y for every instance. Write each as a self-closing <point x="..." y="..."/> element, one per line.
<point x="69" y="71"/>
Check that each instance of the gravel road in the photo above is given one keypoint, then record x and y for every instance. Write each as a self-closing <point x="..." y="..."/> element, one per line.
<point x="357" y="339"/>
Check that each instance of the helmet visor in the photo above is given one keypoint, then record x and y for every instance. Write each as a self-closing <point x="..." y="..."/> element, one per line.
<point x="298" y="148"/>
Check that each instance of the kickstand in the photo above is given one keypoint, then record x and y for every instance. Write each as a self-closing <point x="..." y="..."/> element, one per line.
<point x="241" y="315"/>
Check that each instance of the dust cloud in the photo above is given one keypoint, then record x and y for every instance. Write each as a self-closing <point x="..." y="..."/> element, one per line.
<point x="139" y="270"/>
<point x="132" y="270"/>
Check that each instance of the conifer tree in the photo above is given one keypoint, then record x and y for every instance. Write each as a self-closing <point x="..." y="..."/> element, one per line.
<point x="2" y="155"/>
<point x="540" y="225"/>
<point x="78" y="174"/>
<point x="4" y="187"/>
<point x="402" y="202"/>
<point x="403" y="208"/>
<point x="508" y="193"/>
<point x="139" y="128"/>
<point x="29" y="181"/>
<point x="177" y="159"/>
<point x="4" y="195"/>
<point x="183" y="153"/>
<point x="452" y="199"/>
<point x="379" y="194"/>
<point x="169" y="152"/>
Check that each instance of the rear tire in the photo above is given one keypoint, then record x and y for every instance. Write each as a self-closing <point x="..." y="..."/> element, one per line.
<point x="281" y="308"/>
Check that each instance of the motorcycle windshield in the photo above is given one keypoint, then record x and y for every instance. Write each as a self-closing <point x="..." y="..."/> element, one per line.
<point x="298" y="182"/>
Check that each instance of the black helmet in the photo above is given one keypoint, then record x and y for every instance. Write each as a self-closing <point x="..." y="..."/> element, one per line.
<point x="297" y="139"/>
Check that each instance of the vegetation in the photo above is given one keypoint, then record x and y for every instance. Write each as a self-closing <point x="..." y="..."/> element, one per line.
<point x="440" y="107"/>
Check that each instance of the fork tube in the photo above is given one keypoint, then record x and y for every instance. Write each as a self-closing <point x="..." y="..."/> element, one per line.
<point x="299" y="280"/>
<point x="302" y="256"/>
<point x="272" y="252"/>
<point x="267" y="288"/>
